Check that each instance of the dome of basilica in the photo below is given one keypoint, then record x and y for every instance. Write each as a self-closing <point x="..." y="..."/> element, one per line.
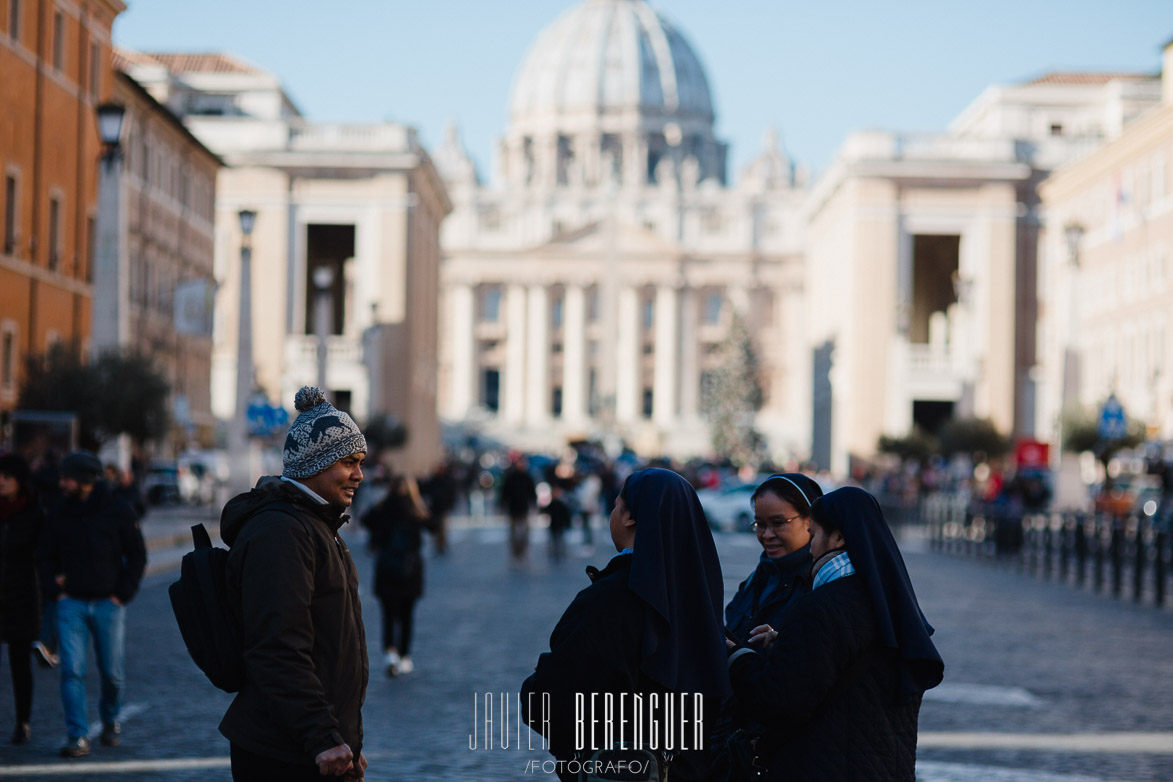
<point x="609" y="63"/>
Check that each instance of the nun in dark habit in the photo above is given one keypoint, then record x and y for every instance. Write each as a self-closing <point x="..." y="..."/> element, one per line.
<point x="647" y="631"/>
<point x="850" y="662"/>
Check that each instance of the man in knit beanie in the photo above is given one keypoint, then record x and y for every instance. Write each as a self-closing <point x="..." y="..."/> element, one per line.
<point x="298" y="715"/>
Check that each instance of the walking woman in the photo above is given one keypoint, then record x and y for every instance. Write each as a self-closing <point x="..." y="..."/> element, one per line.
<point x="20" y="593"/>
<point x="839" y="688"/>
<point x="647" y="630"/>
<point x="396" y="524"/>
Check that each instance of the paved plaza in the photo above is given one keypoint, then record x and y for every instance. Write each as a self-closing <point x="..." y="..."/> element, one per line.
<point x="1043" y="682"/>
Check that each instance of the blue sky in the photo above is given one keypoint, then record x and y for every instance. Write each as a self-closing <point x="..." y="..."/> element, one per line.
<point x="814" y="70"/>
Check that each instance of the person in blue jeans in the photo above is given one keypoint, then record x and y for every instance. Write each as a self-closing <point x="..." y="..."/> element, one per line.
<point x="91" y="558"/>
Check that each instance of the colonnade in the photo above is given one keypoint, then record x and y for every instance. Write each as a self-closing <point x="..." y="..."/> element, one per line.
<point x="530" y="333"/>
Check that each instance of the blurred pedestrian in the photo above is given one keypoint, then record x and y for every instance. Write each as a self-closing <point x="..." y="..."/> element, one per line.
<point x="841" y="683"/>
<point x="125" y="488"/>
<point x="558" y="512"/>
<point x="91" y="558"/>
<point x="45" y="480"/>
<point x="649" y="623"/>
<point x="396" y="525"/>
<point x="439" y="492"/>
<point x="518" y="496"/>
<point x="587" y="493"/>
<point x="20" y="593"/>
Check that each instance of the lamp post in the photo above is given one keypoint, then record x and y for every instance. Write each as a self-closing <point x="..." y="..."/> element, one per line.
<point x="110" y="317"/>
<point x="323" y="278"/>
<point x="110" y="303"/>
<point x="1073" y="238"/>
<point x="244" y="353"/>
<point x="1069" y="489"/>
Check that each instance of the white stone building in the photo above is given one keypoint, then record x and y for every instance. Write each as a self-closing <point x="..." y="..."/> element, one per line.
<point x="1105" y="276"/>
<point x="586" y="288"/>
<point x="363" y="201"/>
<point x="921" y="261"/>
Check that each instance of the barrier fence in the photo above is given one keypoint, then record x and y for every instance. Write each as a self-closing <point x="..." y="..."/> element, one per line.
<point x="1127" y="555"/>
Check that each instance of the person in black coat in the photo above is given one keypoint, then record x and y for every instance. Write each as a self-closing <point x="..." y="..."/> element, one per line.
<point x="850" y="662"/>
<point x="396" y="525"/>
<point x="647" y="627"/>
<point x="518" y="495"/>
<point x="781" y="507"/>
<point x="559" y="514"/>
<point x="20" y="594"/>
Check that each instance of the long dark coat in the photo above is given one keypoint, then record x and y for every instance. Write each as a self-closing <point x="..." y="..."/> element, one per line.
<point x="595" y="648"/>
<point x="397" y="535"/>
<point x="829" y="694"/>
<point x="20" y="593"/>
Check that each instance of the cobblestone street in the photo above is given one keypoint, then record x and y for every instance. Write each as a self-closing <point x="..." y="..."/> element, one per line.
<point x="1043" y="682"/>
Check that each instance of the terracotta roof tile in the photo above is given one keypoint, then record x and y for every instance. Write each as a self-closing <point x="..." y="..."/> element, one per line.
<point x="1076" y="79"/>
<point x="184" y="62"/>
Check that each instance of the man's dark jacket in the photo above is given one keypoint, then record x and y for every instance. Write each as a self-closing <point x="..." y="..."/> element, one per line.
<point x="305" y="650"/>
<point x="828" y="694"/>
<point x="518" y="493"/>
<point x="595" y="648"/>
<point x="96" y="544"/>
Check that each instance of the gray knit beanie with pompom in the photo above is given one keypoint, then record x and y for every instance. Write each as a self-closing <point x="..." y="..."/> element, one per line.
<point x="320" y="436"/>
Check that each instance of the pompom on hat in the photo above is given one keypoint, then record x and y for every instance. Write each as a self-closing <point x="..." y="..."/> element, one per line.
<point x="320" y="436"/>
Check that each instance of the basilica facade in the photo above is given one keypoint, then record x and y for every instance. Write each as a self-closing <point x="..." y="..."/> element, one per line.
<point x="588" y="289"/>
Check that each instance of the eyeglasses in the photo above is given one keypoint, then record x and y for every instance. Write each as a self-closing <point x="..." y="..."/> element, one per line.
<point x="777" y="526"/>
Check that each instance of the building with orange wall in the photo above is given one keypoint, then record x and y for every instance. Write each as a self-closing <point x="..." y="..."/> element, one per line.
<point x="55" y="57"/>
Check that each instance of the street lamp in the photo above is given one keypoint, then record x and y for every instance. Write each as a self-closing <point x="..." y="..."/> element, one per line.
<point x="110" y="117"/>
<point x="323" y="278"/>
<point x="244" y="351"/>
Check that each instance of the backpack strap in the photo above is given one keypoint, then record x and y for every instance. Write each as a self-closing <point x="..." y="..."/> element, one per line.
<point x="200" y="537"/>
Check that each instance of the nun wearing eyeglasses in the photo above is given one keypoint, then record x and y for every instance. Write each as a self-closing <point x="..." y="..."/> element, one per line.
<point x="649" y="623"/>
<point x="851" y="661"/>
<point x="781" y="511"/>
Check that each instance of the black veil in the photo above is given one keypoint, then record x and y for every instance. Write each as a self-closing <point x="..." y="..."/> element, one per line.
<point x="675" y="570"/>
<point x="877" y="560"/>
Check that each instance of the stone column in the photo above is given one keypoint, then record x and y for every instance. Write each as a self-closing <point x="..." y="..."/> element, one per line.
<point x="537" y="375"/>
<point x="461" y="394"/>
<point x="627" y="352"/>
<point x="513" y="405"/>
<point x="689" y="367"/>
<point x="666" y="356"/>
<point x="574" y="355"/>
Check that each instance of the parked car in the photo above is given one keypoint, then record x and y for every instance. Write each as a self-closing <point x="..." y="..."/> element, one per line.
<point x="728" y="509"/>
<point x="161" y="484"/>
<point x="188" y="480"/>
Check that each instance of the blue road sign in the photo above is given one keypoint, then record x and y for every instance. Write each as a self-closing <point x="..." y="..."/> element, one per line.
<point x="1113" y="423"/>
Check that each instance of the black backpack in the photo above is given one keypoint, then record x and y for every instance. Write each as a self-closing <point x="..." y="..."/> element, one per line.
<point x="206" y="620"/>
<point x="204" y="612"/>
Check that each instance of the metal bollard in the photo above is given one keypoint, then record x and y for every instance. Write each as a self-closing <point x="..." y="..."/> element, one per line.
<point x="1064" y="549"/>
<point x="1159" y="569"/>
<point x="1139" y="562"/>
<point x="1080" y="550"/>
<point x="1098" y="558"/>
<point x="1116" y="552"/>
<point x="1048" y="547"/>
